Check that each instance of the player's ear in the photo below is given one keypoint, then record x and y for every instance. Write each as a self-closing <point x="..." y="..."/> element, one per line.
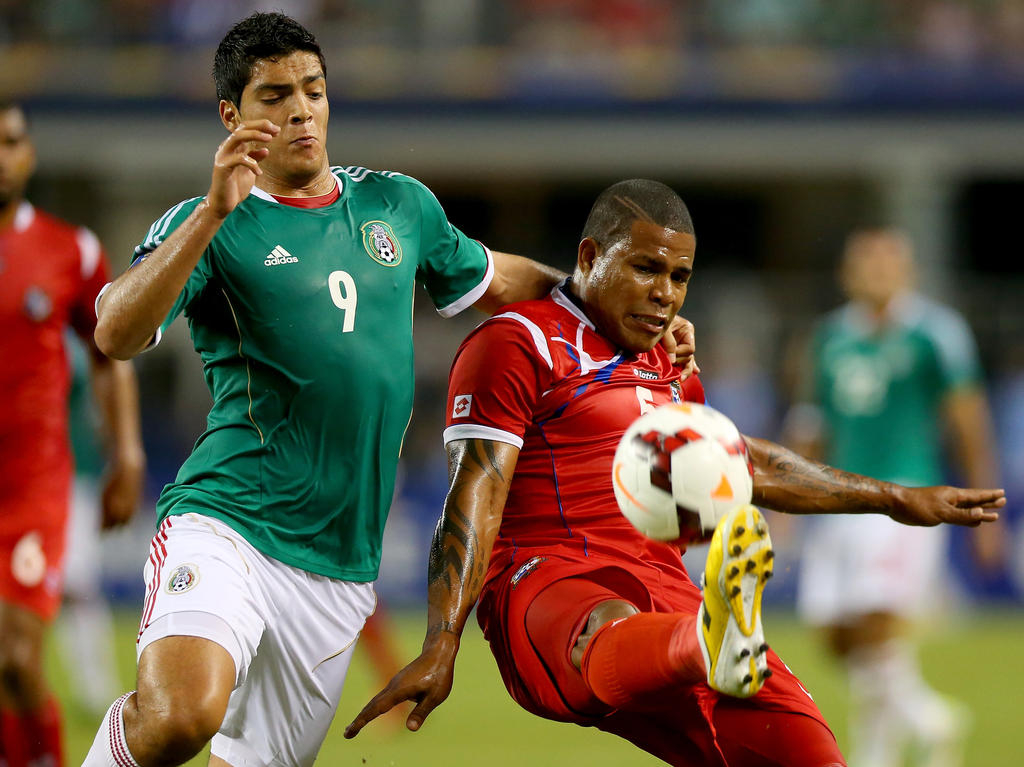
<point x="586" y="254"/>
<point x="229" y="115"/>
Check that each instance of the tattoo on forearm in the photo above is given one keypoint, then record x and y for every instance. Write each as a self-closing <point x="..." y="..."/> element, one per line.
<point x="458" y="554"/>
<point x="783" y="472"/>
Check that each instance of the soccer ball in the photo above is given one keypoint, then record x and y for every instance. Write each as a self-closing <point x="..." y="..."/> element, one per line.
<point x="679" y="469"/>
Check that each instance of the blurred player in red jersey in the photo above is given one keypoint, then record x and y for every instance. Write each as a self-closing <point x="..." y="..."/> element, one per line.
<point x="590" y="622"/>
<point x="50" y="274"/>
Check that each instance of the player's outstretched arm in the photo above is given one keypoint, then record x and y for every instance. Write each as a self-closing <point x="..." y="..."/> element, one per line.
<point x="481" y="473"/>
<point x="786" y="481"/>
<point x="139" y="300"/>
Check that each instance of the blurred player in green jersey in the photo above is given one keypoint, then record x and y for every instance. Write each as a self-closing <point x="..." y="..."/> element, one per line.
<point x="85" y="625"/>
<point x="890" y="372"/>
<point x="297" y="280"/>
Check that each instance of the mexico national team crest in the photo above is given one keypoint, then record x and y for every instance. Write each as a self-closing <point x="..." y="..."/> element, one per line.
<point x="380" y="242"/>
<point x="183" y="578"/>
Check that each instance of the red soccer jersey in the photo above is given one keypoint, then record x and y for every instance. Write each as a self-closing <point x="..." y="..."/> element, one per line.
<point x="539" y="376"/>
<point x="50" y="275"/>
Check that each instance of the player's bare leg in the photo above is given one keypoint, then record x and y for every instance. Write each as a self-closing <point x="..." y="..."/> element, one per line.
<point x="29" y="716"/>
<point x="183" y="688"/>
<point x="890" y="703"/>
<point x="740" y="561"/>
<point x="22" y="684"/>
<point x="603" y="614"/>
<point x="627" y="658"/>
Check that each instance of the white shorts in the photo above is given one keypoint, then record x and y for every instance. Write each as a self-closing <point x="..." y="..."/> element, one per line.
<point x="855" y="564"/>
<point x="290" y="632"/>
<point x="83" y="556"/>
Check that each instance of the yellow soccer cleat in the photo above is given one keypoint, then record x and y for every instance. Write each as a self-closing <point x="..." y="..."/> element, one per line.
<point x="740" y="562"/>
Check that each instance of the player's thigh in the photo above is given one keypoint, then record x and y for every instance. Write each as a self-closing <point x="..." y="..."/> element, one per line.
<point x="203" y="580"/>
<point x="281" y="713"/>
<point x="751" y="736"/>
<point x="21" y="636"/>
<point x="677" y="732"/>
<point x="188" y="676"/>
<point x="555" y="620"/>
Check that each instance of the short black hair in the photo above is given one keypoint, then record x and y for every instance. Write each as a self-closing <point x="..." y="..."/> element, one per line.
<point x="259" y="36"/>
<point x="618" y="206"/>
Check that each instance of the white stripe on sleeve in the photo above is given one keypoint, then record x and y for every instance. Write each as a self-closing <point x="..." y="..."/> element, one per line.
<point x="89" y="251"/>
<point x="473" y="295"/>
<point x="474" y="431"/>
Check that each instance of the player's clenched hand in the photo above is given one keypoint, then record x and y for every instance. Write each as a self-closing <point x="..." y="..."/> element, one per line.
<point x="427" y="680"/>
<point x="951" y="505"/>
<point x="680" y="343"/>
<point x="122" y="492"/>
<point x="237" y="164"/>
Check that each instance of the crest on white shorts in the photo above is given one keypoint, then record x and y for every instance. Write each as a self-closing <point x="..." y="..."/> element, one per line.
<point x="183" y="578"/>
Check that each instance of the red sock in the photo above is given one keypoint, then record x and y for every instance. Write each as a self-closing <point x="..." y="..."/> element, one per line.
<point x="32" y="735"/>
<point x="637" y="658"/>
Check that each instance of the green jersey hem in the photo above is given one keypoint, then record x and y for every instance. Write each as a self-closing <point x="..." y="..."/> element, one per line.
<point x="341" y="574"/>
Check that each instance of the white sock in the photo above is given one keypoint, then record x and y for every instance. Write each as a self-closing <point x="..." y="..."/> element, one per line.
<point x="891" y="704"/>
<point x="110" y="749"/>
<point x="877" y="736"/>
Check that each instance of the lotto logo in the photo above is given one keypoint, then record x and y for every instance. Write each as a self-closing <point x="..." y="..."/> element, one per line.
<point x="462" y="405"/>
<point x="279" y="256"/>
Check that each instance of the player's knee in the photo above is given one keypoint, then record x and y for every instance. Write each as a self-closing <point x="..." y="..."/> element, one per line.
<point x="605" y="613"/>
<point x="179" y="731"/>
<point x="20" y="663"/>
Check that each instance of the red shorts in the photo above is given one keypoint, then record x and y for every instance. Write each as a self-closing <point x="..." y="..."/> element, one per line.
<point x="532" y="637"/>
<point x="33" y="517"/>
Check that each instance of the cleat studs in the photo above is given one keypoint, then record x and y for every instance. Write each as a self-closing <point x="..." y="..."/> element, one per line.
<point x="767" y="673"/>
<point x="751" y="564"/>
<point x="744" y="653"/>
<point x="762" y="530"/>
<point x="735" y="571"/>
<point x="769" y="555"/>
<point x="768" y="574"/>
<point x="739" y="531"/>
<point x="735" y="591"/>
<point x="736" y="550"/>
<point x="748" y="679"/>
<point x="762" y="649"/>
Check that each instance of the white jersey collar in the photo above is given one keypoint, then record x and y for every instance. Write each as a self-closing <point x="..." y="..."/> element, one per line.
<point x="24" y="217"/>
<point x="562" y="297"/>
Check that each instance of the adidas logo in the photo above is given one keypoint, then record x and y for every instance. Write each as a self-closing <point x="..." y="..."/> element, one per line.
<point x="279" y="256"/>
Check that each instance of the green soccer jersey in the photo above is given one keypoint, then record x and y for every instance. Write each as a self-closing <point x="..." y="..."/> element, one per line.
<point x="881" y="388"/>
<point x="83" y="420"/>
<point x="303" y="320"/>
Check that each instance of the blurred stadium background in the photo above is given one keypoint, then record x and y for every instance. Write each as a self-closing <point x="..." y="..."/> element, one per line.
<point x="783" y="123"/>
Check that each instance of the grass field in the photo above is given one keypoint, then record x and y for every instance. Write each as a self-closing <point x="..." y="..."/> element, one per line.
<point x="978" y="659"/>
